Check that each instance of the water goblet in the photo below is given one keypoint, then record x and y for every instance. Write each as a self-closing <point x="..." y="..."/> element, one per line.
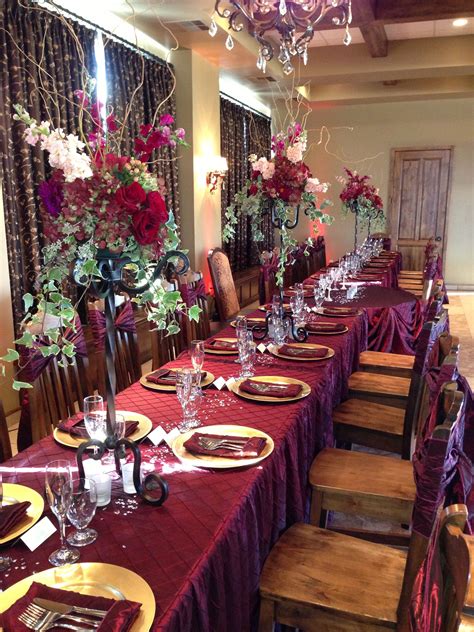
<point x="81" y="511"/>
<point x="58" y="487"/>
<point x="95" y="417"/>
<point x="247" y="360"/>
<point x="5" y="561"/>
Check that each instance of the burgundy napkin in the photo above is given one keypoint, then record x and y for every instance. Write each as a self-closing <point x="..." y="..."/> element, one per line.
<point x="75" y="426"/>
<point x="316" y="328"/>
<point x="167" y="377"/>
<point x="221" y="345"/>
<point x="302" y="352"/>
<point x="269" y="389"/>
<point x="339" y="311"/>
<point x="268" y="307"/>
<point x="119" y="618"/>
<point x="250" y="449"/>
<point x="11" y="516"/>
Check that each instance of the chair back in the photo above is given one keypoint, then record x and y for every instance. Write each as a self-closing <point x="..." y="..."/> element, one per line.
<point x="193" y="291"/>
<point x="225" y="293"/>
<point x="429" y="334"/>
<point x="5" y="445"/>
<point x="434" y="470"/>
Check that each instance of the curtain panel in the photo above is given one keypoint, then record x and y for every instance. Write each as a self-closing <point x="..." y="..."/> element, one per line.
<point x="143" y="84"/>
<point x="242" y="133"/>
<point x="28" y="35"/>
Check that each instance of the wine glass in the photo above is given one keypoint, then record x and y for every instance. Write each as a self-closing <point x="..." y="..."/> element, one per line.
<point x="184" y="385"/>
<point x="197" y="359"/>
<point x="95" y="417"/>
<point x="81" y="511"/>
<point x="5" y="561"/>
<point x="247" y="355"/>
<point x="58" y="486"/>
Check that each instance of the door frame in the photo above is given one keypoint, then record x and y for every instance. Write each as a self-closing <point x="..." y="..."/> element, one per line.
<point x="391" y="192"/>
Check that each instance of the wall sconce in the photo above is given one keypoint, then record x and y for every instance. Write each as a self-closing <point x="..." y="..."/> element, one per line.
<point x="217" y="170"/>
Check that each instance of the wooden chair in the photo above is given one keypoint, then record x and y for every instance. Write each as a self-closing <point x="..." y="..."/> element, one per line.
<point x="366" y="484"/>
<point x="5" y="445"/>
<point x="317" y="579"/>
<point x="225" y="294"/>
<point x="58" y="393"/>
<point x="385" y="427"/>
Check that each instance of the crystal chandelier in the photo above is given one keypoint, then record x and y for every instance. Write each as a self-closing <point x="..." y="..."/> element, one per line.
<point x="294" y="20"/>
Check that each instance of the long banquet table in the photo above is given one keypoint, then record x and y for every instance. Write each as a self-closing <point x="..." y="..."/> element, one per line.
<point x="203" y="550"/>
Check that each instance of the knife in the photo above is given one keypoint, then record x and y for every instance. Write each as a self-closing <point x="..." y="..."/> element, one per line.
<point x="62" y="608"/>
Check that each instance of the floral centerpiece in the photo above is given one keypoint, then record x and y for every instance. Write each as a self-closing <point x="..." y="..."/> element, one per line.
<point x="283" y="186"/>
<point x="96" y="203"/>
<point x="362" y="199"/>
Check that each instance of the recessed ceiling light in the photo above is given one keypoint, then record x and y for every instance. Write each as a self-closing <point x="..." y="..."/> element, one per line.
<point x="460" y="22"/>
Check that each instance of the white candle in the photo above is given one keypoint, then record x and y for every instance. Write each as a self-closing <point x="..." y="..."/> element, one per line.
<point x="103" y="485"/>
<point x="127" y="478"/>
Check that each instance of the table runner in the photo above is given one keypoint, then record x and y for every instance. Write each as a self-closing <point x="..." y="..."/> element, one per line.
<point x="202" y="552"/>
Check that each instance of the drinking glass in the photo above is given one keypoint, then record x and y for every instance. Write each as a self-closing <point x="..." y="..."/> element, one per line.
<point x="241" y="329"/>
<point x="281" y="329"/>
<point x="318" y="297"/>
<point x="81" y="511"/>
<point x="184" y="386"/>
<point x="247" y="359"/>
<point x="5" y="561"/>
<point x="58" y="486"/>
<point x="297" y="307"/>
<point x="95" y="417"/>
<point x="197" y="359"/>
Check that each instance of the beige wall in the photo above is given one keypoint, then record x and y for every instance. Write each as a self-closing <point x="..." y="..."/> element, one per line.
<point x="8" y="395"/>
<point x="198" y="111"/>
<point x="378" y="128"/>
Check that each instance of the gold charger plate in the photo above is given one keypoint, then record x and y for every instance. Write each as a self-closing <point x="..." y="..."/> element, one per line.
<point x="209" y="379"/>
<point x="13" y="493"/>
<point x="274" y="379"/>
<point x="274" y="349"/>
<point x="219" y="352"/>
<point x="322" y="312"/>
<point x="220" y="462"/>
<point x="144" y="427"/>
<point x="286" y="307"/>
<point x="92" y="578"/>
<point x="328" y="333"/>
<point x="251" y="322"/>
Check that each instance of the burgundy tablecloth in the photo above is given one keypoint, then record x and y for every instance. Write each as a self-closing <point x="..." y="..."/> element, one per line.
<point x="202" y="552"/>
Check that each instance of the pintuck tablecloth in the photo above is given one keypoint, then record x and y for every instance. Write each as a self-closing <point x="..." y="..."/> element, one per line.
<point x="203" y="550"/>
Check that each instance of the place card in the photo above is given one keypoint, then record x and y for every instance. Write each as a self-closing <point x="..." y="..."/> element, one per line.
<point x="171" y="436"/>
<point x="352" y="291"/>
<point x="38" y="533"/>
<point x="229" y="382"/>
<point x="262" y="348"/>
<point x="157" y="436"/>
<point x="219" y="383"/>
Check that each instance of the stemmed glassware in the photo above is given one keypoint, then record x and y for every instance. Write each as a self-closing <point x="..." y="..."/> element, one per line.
<point x="5" y="561"/>
<point x="297" y="307"/>
<point x="81" y="511"/>
<point x="319" y="295"/>
<point x="186" y="391"/>
<point x="241" y="328"/>
<point x="95" y="417"/>
<point x="324" y="284"/>
<point x="197" y="359"/>
<point x="58" y="486"/>
<point x="247" y="352"/>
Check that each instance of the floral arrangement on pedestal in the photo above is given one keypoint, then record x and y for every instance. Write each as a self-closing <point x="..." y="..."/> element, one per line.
<point x="362" y="199"/>
<point x="96" y="203"/>
<point x="282" y="186"/>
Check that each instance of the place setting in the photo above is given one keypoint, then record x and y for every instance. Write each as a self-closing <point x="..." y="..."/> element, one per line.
<point x="301" y="351"/>
<point x="271" y="389"/>
<point x="20" y="508"/>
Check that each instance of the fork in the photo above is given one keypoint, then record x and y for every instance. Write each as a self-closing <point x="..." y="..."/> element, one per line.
<point x="228" y="444"/>
<point x="37" y="618"/>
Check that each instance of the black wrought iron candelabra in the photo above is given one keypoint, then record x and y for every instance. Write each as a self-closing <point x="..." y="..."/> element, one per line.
<point x="153" y="489"/>
<point x="261" y="331"/>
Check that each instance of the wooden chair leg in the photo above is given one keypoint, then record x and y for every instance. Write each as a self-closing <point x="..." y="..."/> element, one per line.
<point x="267" y="612"/>
<point x="318" y="516"/>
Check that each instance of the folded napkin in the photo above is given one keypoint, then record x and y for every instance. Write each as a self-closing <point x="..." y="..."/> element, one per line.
<point x="119" y="618"/>
<point x="339" y="311"/>
<point x="317" y="328"/>
<point x="268" y="307"/>
<point x="11" y="516"/>
<point x="269" y="389"/>
<point x="221" y="345"/>
<point x="302" y="352"/>
<point x="76" y="427"/>
<point x="250" y="449"/>
<point x="167" y="377"/>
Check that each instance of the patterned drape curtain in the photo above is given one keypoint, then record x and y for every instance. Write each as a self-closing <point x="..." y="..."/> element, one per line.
<point x="242" y="133"/>
<point x="28" y="35"/>
<point x="150" y="82"/>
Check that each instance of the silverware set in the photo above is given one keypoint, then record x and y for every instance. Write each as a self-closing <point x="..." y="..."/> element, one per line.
<point x="39" y="618"/>
<point x="228" y="444"/>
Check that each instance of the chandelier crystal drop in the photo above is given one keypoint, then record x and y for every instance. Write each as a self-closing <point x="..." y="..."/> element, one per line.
<point x="282" y="28"/>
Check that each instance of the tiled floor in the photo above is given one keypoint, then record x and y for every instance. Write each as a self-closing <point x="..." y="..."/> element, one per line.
<point x="461" y="315"/>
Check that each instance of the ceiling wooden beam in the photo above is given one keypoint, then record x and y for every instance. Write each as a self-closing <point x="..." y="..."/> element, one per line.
<point x="373" y="33"/>
<point x="393" y="11"/>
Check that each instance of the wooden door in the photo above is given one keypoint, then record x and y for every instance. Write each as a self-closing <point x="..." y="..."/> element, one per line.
<point x="420" y="180"/>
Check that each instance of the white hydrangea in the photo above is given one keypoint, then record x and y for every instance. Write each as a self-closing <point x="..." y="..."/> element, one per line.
<point x="294" y="153"/>
<point x="65" y="153"/>
<point x="265" y="167"/>
<point x="313" y="185"/>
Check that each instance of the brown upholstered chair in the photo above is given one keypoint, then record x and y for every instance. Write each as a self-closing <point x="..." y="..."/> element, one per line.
<point x="225" y="294"/>
<point x="5" y="445"/>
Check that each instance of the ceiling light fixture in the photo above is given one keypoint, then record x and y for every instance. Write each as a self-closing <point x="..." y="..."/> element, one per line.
<point x="294" y="20"/>
<point x="460" y="22"/>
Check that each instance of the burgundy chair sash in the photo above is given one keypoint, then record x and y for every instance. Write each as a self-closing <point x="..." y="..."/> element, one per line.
<point x="124" y="321"/>
<point x="192" y="292"/>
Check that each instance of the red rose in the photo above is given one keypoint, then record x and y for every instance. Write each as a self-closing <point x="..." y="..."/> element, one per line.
<point x="131" y="196"/>
<point x="157" y="204"/>
<point x="146" y="225"/>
